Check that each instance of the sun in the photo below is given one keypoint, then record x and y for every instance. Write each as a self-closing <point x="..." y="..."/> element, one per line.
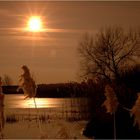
<point x="34" y="24"/>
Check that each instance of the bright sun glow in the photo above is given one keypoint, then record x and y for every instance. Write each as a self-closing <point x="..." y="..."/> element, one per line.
<point x="34" y="24"/>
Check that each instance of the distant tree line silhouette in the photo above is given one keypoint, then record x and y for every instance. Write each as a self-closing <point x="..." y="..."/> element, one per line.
<point x="71" y="89"/>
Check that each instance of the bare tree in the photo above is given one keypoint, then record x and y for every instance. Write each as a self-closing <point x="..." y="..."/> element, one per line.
<point x="7" y="81"/>
<point x="109" y="53"/>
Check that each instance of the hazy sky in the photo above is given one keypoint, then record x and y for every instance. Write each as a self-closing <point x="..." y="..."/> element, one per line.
<point x="52" y="55"/>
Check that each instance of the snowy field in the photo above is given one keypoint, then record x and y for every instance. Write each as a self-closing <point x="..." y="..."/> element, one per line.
<point x="52" y="122"/>
<point x="53" y="129"/>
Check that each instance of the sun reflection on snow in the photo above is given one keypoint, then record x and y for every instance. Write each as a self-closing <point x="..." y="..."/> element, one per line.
<point x="40" y="103"/>
<point x="19" y="101"/>
<point x="29" y="103"/>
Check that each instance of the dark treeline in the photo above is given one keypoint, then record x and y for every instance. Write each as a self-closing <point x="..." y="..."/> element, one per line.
<point x="88" y="88"/>
<point x="129" y="87"/>
<point x="72" y="89"/>
<point x="10" y="89"/>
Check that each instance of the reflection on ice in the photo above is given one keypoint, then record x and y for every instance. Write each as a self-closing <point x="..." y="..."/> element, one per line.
<point x="58" y="114"/>
<point x="40" y="102"/>
<point x="18" y="101"/>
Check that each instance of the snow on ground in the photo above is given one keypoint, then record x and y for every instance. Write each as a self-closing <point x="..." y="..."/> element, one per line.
<point x="23" y="121"/>
<point x="53" y="129"/>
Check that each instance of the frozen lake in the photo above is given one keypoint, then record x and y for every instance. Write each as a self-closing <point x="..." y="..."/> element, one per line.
<point x="24" y="121"/>
<point x="18" y="101"/>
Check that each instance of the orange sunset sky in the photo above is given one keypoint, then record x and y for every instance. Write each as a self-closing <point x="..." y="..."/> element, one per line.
<point x="52" y="54"/>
